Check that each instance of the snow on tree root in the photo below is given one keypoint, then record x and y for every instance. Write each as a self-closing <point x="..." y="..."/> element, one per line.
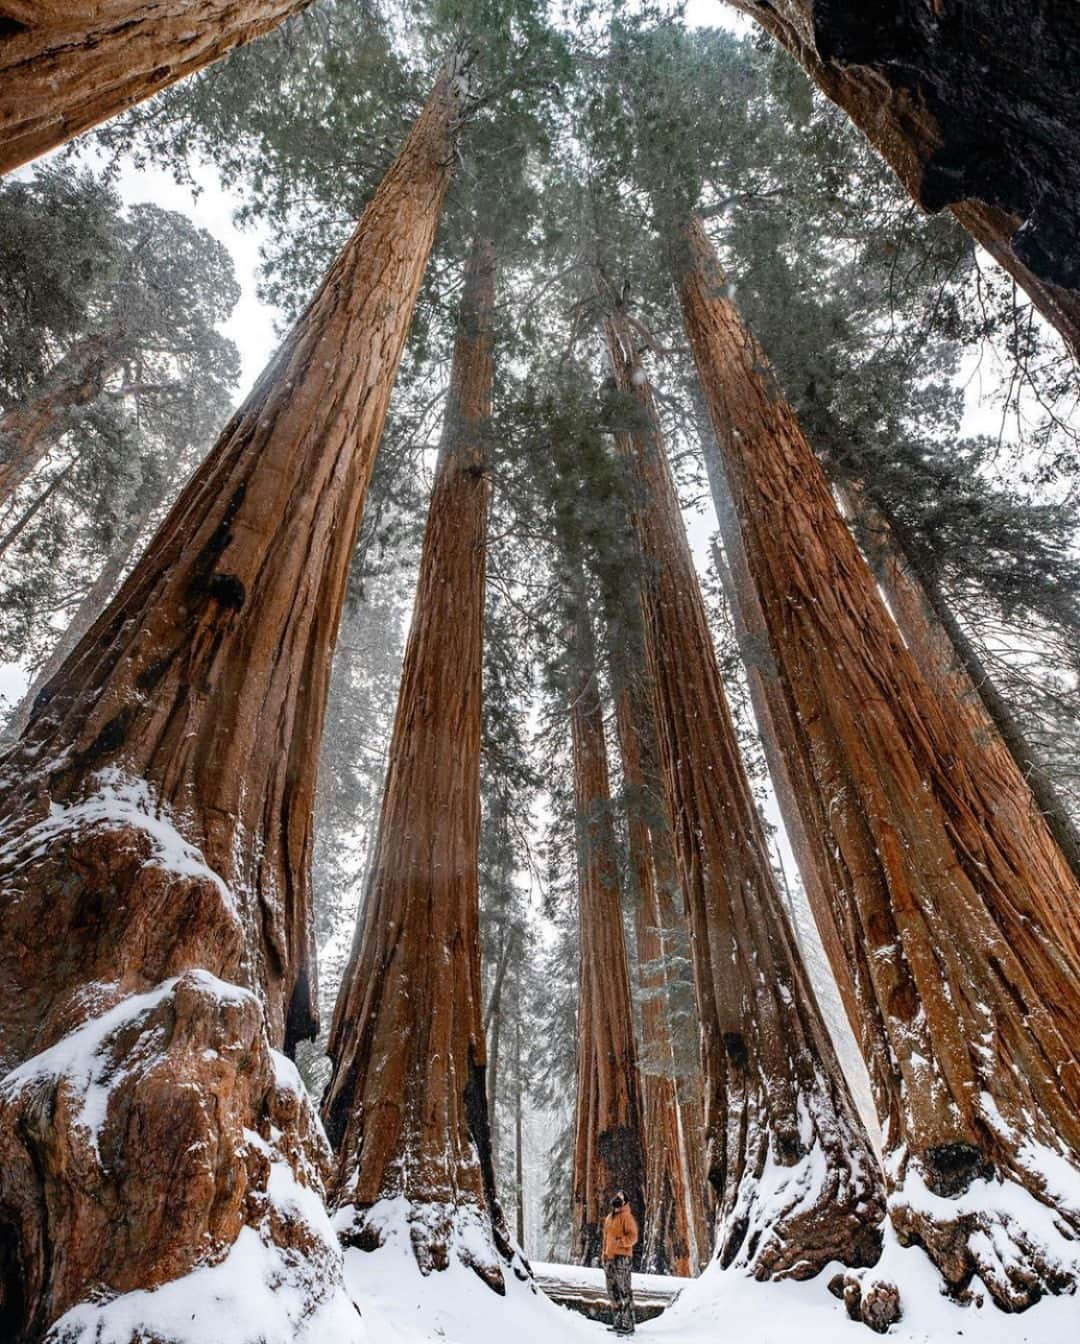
<point x="434" y="1237"/>
<point x="996" y="1229"/>
<point x="161" y="1180"/>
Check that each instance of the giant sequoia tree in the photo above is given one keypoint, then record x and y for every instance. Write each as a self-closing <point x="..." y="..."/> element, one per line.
<point x="64" y="67"/>
<point x="407" y="1101"/>
<point x="669" y="1234"/>
<point x="609" y="1148"/>
<point x="796" y="1181"/>
<point x="958" y="926"/>
<point x="157" y="815"/>
<point x="975" y="108"/>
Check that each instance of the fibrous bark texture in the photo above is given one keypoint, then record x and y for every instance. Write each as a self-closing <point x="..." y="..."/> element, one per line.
<point x="790" y="771"/>
<point x="155" y="817"/>
<point x="406" y="1105"/>
<point x="958" y="928"/>
<point x="953" y="668"/>
<point x="133" y="1151"/>
<point x="609" y="1153"/>
<point x="666" y="1231"/>
<point x="27" y="432"/>
<point x="66" y="65"/>
<point x="796" y="1181"/>
<point x="974" y="106"/>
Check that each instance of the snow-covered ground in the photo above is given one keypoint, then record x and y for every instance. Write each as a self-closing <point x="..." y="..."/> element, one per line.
<point x="399" y="1306"/>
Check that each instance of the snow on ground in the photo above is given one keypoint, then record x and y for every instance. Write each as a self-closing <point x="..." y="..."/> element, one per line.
<point x="400" y="1306"/>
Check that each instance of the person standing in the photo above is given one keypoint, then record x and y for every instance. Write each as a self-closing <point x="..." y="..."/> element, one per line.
<point x="620" y="1238"/>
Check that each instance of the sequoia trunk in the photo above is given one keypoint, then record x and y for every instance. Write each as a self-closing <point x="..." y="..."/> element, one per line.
<point x="790" y="771"/>
<point x="155" y="818"/>
<point x="609" y="1153"/>
<point x="406" y="1105"/>
<point x="796" y="1181"/>
<point x="952" y="666"/>
<point x="27" y="432"/>
<point x="974" y="108"/>
<point x="66" y="65"/>
<point x="666" y="1231"/>
<point x="958" y="926"/>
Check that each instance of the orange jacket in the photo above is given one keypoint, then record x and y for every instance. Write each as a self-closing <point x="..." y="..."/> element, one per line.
<point x="620" y="1233"/>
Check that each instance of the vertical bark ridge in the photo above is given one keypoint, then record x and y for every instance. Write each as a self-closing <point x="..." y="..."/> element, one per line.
<point x="666" y="1232"/>
<point x="958" y="926"/>
<point x="406" y="1105"/>
<point x="66" y="65"/>
<point x="796" y="1181"/>
<point x="952" y="666"/>
<point x="207" y="675"/>
<point x="155" y="824"/>
<point x="609" y="1151"/>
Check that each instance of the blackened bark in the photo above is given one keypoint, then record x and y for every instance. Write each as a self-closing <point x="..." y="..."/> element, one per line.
<point x="974" y="106"/>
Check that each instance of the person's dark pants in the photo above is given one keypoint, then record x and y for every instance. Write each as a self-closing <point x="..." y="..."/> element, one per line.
<point x="621" y="1293"/>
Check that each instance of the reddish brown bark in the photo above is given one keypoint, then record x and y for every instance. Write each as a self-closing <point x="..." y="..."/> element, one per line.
<point x="958" y="926"/>
<point x="797" y="1184"/>
<point x="950" y="663"/>
<point x="609" y="1152"/>
<point x="66" y="65"/>
<point x="156" y="815"/>
<point x="27" y="432"/>
<point x="974" y="108"/>
<point x="790" y="771"/>
<point x="406" y="1105"/>
<point x="666" y="1232"/>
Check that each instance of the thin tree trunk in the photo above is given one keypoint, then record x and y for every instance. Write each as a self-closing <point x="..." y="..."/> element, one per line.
<point x="406" y="1104"/>
<point x="609" y="1152"/>
<point x="776" y="1099"/>
<point x="66" y="65"/>
<point x="12" y="535"/>
<point x="28" y="431"/>
<point x="86" y="613"/>
<point x="519" y="1155"/>
<point x="958" y="925"/>
<point x="493" y="1041"/>
<point x="976" y="113"/>
<point x="953" y="667"/>
<point x="665" y="1231"/>
<point x="155" y="818"/>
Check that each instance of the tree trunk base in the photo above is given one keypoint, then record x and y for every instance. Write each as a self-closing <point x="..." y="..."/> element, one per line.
<point x="161" y="1164"/>
<point x="1019" y="1234"/>
<point x="100" y="899"/>
<point x="789" y="1222"/>
<point x="436" y="1235"/>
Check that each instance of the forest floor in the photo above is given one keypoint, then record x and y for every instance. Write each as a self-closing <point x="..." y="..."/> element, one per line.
<point x="399" y="1306"/>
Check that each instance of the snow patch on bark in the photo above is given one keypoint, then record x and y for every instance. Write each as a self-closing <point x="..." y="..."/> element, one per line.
<point x="402" y="1304"/>
<point x="167" y="1171"/>
<point x="259" y="1294"/>
<point x="118" y="800"/>
<point x="84" y="1062"/>
<point x="460" y="1235"/>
